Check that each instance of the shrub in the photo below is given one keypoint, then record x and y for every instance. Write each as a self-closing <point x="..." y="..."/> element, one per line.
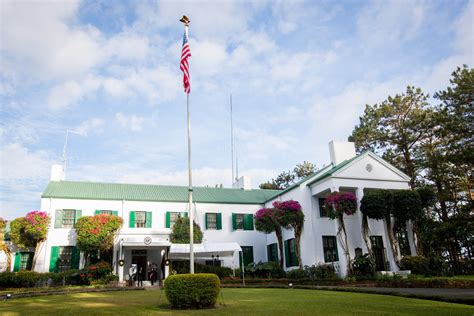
<point x="321" y="271"/>
<point x="182" y="267"/>
<point x="363" y="265"/>
<point x="425" y="266"/>
<point x="466" y="267"/>
<point x="36" y="279"/>
<point x="265" y="270"/>
<point x="377" y="203"/>
<point x="192" y="290"/>
<point x="296" y="274"/>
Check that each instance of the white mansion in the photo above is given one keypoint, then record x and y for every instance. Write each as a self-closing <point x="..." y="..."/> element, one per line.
<point x="225" y="216"/>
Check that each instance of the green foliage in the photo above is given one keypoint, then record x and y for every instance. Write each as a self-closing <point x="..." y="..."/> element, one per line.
<point x="427" y="196"/>
<point x="424" y="266"/>
<point x="406" y="205"/>
<point x="321" y="271"/>
<point x="296" y="274"/>
<point x="377" y="203"/>
<point x="363" y="266"/>
<point x="182" y="267"/>
<point x="17" y="233"/>
<point x="29" y="279"/>
<point x="192" y="290"/>
<point x="180" y="232"/>
<point x="268" y="220"/>
<point x="264" y="270"/>
<point x="287" y="178"/>
<point x="96" y="233"/>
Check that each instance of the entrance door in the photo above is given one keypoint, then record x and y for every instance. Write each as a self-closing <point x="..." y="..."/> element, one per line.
<point x="379" y="253"/>
<point x="139" y="258"/>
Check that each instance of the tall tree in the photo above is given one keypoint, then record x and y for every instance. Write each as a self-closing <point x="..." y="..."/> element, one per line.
<point x="268" y="220"/>
<point x="30" y="231"/>
<point x="395" y="129"/>
<point x="180" y="232"/>
<point x="292" y="217"/>
<point x="287" y="178"/>
<point x="95" y="234"/>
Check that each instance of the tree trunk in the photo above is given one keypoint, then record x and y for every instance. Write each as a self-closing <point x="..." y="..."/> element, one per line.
<point x="393" y="241"/>
<point x="39" y="244"/>
<point x="366" y="233"/>
<point x="279" y="236"/>
<point x="341" y="232"/>
<point x="298" y="248"/>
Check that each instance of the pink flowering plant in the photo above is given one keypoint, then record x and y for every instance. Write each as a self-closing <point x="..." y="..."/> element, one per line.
<point x="268" y="220"/>
<point x="339" y="203"/>
<point x="292" y="218"/>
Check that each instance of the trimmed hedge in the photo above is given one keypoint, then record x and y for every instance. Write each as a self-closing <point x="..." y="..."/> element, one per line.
<point x="36" y="279"/>
<point x="192" y="290"/>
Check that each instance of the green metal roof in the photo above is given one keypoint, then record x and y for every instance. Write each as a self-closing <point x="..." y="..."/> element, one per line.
<point x="158" y="193"/>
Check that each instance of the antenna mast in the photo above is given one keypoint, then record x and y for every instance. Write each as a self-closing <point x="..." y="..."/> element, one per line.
<point x="232" y="139"/>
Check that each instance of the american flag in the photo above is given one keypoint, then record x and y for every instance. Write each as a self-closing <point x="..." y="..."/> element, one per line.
<point x="184" y="65"/>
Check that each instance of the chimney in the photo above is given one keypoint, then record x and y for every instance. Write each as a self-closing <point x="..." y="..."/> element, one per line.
<point x="57" y="173"/>
<point x="340" y="151"/>
<point x="242" y="183"/>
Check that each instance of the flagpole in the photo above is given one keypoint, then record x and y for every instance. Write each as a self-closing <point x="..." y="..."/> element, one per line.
<point x="185" y="20"/>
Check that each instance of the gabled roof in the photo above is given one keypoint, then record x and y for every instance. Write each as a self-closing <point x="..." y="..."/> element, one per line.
<point x="332" y="169"/>
<point x="347" y="162"/>
<point x="155" y="193"/>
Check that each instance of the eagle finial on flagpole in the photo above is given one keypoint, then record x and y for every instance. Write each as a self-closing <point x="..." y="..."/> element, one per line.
<point x="185" y="20"/>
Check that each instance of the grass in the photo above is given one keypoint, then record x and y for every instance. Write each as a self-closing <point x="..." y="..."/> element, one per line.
<point x="237" y="301"/>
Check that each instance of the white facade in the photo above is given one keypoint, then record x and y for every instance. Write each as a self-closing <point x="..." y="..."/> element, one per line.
<point x="346" y="173"/>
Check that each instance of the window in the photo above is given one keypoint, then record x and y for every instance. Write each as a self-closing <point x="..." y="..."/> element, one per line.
<point x="171" y="218"/>
<point x="26" y="260"/>
<point x="140" y="219"/>
<point x="65" y="258"/>
<point x="272" y="252"/>
<point x="213" y="221"/>
<point x="66" y="218"/>
<point x="247" y="253"/>
<point x="242" y="221"/>
<point x="106" y="212"/>
<point x="290" y="253"/>
<point x="322" y="210"/>
<point x="330" y="249"/>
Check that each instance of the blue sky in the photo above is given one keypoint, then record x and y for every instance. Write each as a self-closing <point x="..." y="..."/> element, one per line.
<point x="300" y="74"/>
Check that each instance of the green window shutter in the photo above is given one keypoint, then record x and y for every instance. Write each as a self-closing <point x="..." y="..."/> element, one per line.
<point x="287" y="253"/>
<point x="77" y="215"/>
<point x="58" y="219"/>
<point x="168" y="219"/>
<point x="248" y="222"/>
<point x="132" y="219"/>
<point x="205" y="220"/>
<point x="16" y="265"/>
<point x="184" y="214"/>
<point x="269" y="253"/>
<point x="148" y="220"/>
<point x="76" y="256"/>
<point x="53" y="263"/>
<point x="294" y="257"/>
<point x="234" y="221"/>
<point x="219" y="221"/>
<point x="115" y="213"/>
<point x="97" y="212"/>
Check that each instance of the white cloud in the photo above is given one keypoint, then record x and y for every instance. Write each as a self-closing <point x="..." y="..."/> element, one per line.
<point x="71" y="92"/>
<point x="19" y="163"/>
<point x="42" y="43"/>
<point x="93" y="125"/>
<point x="133" y="122"/>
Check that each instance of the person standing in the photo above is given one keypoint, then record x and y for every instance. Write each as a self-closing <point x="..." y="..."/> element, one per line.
<point x="140" y="276"/>
<point x="131" y="274"/>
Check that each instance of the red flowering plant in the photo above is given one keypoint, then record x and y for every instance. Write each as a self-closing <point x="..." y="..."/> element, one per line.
<point x="292" y="218"/>
<point x="96" y="233"/>
<point x="337" y="204"/>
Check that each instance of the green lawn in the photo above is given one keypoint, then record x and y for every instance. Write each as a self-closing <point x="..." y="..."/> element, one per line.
<point x="237" y="301"/>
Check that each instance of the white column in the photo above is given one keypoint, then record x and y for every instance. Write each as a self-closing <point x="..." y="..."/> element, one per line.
<point x="411" y="238"/>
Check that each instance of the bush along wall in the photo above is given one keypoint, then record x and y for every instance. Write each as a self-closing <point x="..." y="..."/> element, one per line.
<point x="192" y="290"/>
